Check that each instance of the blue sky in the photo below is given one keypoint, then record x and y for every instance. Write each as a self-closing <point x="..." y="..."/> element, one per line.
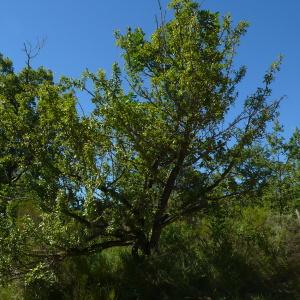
<point x="80" y="35"/>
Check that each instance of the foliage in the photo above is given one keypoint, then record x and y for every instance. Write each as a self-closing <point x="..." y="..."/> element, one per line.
<point x="201" y="201"/>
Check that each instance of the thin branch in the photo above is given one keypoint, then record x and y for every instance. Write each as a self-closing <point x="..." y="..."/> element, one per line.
<point x="31" y="51"/>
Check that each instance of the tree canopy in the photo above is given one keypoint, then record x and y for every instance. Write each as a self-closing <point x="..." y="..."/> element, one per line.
<point x="161" y="143"/>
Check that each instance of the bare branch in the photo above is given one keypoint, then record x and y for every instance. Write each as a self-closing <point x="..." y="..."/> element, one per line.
<point x="32" y="51"/>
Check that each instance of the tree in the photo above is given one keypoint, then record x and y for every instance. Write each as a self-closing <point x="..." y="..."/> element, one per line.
<point x="162" y="147"/>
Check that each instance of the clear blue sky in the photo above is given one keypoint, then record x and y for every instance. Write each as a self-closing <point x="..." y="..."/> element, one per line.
<point x="80" y="35"/>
